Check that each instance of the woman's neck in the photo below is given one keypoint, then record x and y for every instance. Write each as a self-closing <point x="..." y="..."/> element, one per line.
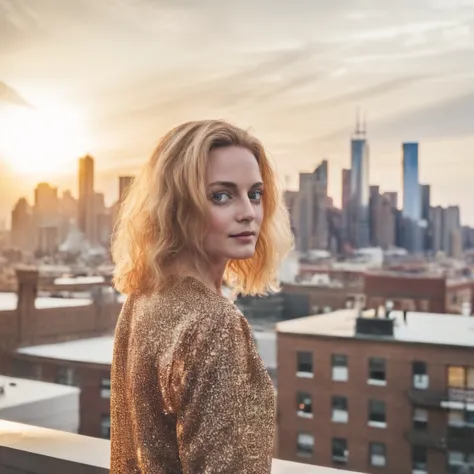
<point x="210" y="275"/>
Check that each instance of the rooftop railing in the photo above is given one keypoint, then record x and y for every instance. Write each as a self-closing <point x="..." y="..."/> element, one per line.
<point x="26" y="449"/>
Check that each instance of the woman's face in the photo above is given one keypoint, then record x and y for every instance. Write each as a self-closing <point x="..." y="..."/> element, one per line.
<point x="234" y="191"/>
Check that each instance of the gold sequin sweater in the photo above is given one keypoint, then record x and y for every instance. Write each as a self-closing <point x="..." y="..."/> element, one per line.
<point x="189" y="392"/>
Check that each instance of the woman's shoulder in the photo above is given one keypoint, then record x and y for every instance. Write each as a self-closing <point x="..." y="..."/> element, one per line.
<point x="189" y="304"/>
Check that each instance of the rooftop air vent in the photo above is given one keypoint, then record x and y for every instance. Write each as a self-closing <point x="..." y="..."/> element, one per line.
<point x="374" y="326"/>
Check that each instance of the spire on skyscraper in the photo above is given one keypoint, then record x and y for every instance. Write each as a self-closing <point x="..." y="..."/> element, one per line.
<point x="361" y="124"/>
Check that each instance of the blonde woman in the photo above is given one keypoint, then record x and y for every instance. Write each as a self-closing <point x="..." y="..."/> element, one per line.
<point x="190" y="393"/>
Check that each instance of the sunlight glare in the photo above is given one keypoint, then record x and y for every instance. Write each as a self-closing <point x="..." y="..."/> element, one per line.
<point x="44" y="141"/>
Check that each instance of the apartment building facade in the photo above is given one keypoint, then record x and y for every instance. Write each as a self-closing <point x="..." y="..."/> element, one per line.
<point x="388" y="395"/>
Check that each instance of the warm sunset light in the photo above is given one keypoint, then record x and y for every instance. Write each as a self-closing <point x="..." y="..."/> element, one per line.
<point x="42" y="141"/>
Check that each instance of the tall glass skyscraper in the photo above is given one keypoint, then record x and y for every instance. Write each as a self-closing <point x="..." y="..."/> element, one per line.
<point x="411" y="199"/>
<point x="359" y="202"/>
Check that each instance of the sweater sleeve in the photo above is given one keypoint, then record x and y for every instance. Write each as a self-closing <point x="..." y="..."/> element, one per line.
<point x="224" y="400"/>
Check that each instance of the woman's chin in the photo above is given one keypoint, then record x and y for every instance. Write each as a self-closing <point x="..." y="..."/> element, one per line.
<point x="242" y="254"/>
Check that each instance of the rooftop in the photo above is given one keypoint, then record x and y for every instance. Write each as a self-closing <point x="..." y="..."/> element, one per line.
<point x="94" y="350"/>
<point x="8" y="302"/>
<point x="99" y="350"/>
<point x="22" y="391"/>
<point x="27" y="449"/>
<point x="424" y="328"/>
<point x="80" y="280"/>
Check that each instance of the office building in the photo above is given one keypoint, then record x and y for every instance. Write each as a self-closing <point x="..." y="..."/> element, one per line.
<point x="359" y="230"/>
<point x="124" y="184"/>
<point x="86" y="212"/>
<point x="412" y="205"/>
<point x="312" y="228"/>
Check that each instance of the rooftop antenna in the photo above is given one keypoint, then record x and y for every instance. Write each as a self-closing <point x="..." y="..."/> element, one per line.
<point x="357" y="130"/>
<point x="364" y="124"/>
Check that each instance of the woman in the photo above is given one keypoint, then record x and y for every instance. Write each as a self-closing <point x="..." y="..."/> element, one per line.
<point x="190" y="393"/>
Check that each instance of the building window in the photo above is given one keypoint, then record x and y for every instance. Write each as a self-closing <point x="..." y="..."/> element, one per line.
<point x="459" y="462"/>
<point x="377" y="417"/>
<point x="105" y="388"/>
<point x="340" y="372"/>
<point x="377" y="454"/>
<point x="65" y="376"/>
<point x="460" y="418"/>
<point x="420" y="419"/>
<point x="304" y="364"/>
<point x="340" y="453"/>
<point x="105" y="426"/>
<point x="456" y="377"/>
<point x="304" y="405"/>
<point x="421" y="380"/>
<point x="305" y="444"/>
<point x="340" y="413"/>
<point x="461" y="377"/>
<point x="419" y="459"/>
<point x="377" y="371"/>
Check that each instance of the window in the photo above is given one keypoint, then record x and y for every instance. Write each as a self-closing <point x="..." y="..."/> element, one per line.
<point x="460" y="463"/>
<point x="105" y="388"/>
<point x="304" y="407"/>
<point x="377" y="375"/>
<point x="419" y="459"/>
<point x="461" y="377"/>
<point x="305" y="444"/>
<point x="339" y="409"/>
<point x="304" y="365"/>
<point x="456" y="377"/>
<point x="420" y="419"/>
<point x="340" y="372"/>
<point x="65" y="376"/>
<point x="105" y="426"/>
<point x="377" y="454"/>
<point x="460" y="418"/>
<point x="421" y="380"/>
<point x="340" y="453"/>
<point x="377" y="417"/>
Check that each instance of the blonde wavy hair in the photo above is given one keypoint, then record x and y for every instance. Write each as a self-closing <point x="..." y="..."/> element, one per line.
<point x="165" y="212"/>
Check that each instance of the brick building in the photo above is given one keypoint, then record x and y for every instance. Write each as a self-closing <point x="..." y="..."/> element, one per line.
<point x="44" y="338"/>
<point x="417" y="292"/>
<point x="390" y="395"/>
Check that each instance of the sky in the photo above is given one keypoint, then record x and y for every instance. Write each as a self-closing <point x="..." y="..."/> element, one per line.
<point x="110" y="78"/>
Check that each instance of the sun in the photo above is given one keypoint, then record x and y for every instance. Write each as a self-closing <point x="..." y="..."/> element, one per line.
<point x="40" y="142"/>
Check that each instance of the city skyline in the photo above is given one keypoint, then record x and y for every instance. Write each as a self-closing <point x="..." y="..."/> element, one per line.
<point x="113" y="88"/>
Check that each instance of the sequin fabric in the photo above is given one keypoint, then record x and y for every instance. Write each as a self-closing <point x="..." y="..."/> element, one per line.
<point x="189" y="391"/>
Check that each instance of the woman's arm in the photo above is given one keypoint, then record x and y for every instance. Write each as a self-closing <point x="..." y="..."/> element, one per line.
<point x="224" y="406"/>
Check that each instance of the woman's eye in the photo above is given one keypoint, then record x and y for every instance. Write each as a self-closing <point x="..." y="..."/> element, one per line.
<point x="256" y="195"/>
<point x="220" y="197"/>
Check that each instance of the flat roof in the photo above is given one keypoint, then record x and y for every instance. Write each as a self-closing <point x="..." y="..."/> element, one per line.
<point x="99" y="350"/>
<point x="424" y="328"/>
<point x="87" y="280"/>
<point x="8" y="302"/>
<point x="24" y="391"/>
<point x="93" y="350"/>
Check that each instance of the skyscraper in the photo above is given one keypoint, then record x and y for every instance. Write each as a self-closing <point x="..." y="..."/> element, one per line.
<point x="427" y="234"/>
<point x="124" y="184"/>
<point x="86" y="216"/>
<point x="359" y="230"/>
<point x="312" y="224"/>
<point x="411" y="211"/>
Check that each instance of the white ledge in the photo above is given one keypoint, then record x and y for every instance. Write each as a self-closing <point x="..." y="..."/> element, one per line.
<point x="26" y="449"/>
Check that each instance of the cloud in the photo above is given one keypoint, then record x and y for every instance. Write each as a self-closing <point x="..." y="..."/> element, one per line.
<point x="447" y="118"/>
